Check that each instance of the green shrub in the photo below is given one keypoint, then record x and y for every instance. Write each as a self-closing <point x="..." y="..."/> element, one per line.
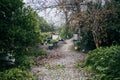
<point x="66" y="33"/>
<point x="16" y="74"/>
<point x="54" y="41"/>
<point x="87" y="42"/>
<point x="105" y="62"/>
<point x="37" y="52"/>
<point x="26" y="60"/>
<point x="23" y="63"/>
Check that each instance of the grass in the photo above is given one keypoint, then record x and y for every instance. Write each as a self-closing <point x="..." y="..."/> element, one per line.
<point x="58" y="66"/>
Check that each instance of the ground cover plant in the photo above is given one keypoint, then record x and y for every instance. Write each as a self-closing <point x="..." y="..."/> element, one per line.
<point x="105" y="62"/>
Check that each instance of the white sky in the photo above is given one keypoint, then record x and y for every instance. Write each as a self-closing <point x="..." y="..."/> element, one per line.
<point x="50" y="14"/>
<point x="52" y="17"/>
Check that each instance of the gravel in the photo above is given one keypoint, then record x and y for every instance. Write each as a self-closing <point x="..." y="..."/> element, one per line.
<point x="60" y="64"/>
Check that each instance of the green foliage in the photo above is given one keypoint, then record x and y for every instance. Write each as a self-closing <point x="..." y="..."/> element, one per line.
<point x="44" y="25"/>
<point x="66" y="33"/>
<point x="28" y="32"/>
<point x="7" y="10"/>
<point x="87" y="42"/>
<point x="37" y="52"/>
<point x="79" y="65"/>
<point x="19" y="30"/>
<point x="54" y="41"/>
<point x="44" y="36"/>
<point x="59" y="66"/>
<point x="105" y="62"/>
<point x="113" y="24"/>
<point x="18" y="25"/>
<point x="26" y="60"/>
<point x="16" y="74"/>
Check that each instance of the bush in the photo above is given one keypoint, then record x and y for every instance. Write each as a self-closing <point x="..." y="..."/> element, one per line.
<point x="87" y="41"/>
<point x="113" y="23"/>
<point x="66" y="33"/>
<point x="54" y="41"/>
<point x="37" y="52"/>
<point x="16" y="74"/>
<point x="26" y="60"/>
<point x="105" y="62"/>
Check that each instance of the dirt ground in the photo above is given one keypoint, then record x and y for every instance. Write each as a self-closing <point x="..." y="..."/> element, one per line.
<point x="61" y="64"/>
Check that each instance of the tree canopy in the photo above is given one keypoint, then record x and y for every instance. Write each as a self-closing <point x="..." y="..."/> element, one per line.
<point x="44" y="25"/>
<point x="19" y="26"/>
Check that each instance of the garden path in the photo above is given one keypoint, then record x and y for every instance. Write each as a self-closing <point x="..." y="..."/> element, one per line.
<point x="61" y="64"/>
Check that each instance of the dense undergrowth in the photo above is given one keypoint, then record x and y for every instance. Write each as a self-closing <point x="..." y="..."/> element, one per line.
<point x="105" y="62"/>
<point x="24" y="61"/>
<point x="16" y="74"/>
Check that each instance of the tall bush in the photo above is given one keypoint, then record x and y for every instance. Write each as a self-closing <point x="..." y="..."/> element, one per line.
<point x="113" y="23"/>
<point x="87" y="42"/>
<point x="18" y="25"/>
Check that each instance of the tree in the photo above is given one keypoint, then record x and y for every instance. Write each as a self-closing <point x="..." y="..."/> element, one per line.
<point x="7" y="10"/>
<point x="18" y="25"/>
<point x="44" y="25"/>
<point x="66" y="32"/>
<point x="92" y="15"/>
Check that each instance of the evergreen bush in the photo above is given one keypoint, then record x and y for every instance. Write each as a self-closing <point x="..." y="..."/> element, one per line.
<point x="105" y="62"/>
<point x="16" y="74"/>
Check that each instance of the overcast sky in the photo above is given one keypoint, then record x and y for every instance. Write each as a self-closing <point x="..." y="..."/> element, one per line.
<point x="50" y="15"/>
